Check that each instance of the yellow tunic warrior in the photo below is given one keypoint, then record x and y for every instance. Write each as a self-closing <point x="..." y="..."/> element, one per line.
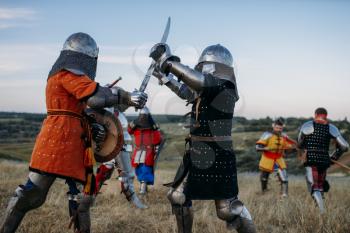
<point x="273" y="146"/>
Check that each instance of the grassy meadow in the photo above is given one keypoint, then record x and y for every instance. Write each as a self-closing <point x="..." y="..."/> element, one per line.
<point x="113" y="214"/>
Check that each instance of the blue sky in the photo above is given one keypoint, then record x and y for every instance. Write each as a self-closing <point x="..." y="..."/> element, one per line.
<point x="290" y="56"/>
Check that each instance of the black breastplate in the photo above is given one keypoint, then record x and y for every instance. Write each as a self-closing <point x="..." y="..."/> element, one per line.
<point x="317" y="146"/>
<point x="214" y="114"/>
<point x="212" y="169"/>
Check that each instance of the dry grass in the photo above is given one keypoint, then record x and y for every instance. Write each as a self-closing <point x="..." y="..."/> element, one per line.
<point x="112" y="213"/>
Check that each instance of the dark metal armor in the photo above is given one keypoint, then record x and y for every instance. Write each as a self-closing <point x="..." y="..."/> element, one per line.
<point x="315" y="138"/>
<point x="208" y="169"/>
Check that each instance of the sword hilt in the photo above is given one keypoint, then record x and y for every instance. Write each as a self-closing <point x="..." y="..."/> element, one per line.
<point x="115" y="82"/>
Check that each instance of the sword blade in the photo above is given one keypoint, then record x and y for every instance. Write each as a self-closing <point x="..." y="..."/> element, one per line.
<point x="166" y="31"/>
<point x="147" y="77"/>
<point x="152" y="66"/>
<point x="160" y="147"/>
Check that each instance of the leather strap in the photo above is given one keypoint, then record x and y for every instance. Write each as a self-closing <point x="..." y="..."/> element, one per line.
<point x="210" y="139"/>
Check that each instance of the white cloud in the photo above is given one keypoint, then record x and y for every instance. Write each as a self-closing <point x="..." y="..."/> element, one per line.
<point x="17" y="13"/>
<point x="15" y="59"/>
<point x="123" y="60"/>
<point x="16" y="17"/>
<point x="6" y="25"/>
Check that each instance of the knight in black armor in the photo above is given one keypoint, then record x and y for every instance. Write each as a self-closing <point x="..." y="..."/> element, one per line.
<point x="208" y="170"/>
<point x="314" y="140"/>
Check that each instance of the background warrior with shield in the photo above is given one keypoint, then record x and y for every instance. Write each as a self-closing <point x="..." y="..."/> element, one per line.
<point x="122" y="163"/>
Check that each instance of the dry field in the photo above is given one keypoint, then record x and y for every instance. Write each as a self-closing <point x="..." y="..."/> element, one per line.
<point x="112" y="214"/>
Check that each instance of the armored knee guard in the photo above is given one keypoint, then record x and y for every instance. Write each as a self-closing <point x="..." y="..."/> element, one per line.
<point x="26" y="197"/>
<point x="235" y="214"/>
<point x="176" y="196"/>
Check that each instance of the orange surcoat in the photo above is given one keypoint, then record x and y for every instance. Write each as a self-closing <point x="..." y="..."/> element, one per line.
<point x="276" y="145"/>
<point x="59" y="148"/>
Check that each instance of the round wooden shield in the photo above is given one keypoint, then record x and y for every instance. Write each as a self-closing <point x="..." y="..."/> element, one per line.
<point x="114" y="141"/>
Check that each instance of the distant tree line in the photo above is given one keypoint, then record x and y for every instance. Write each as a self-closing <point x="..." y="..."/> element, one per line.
<point x="16" y="126"/>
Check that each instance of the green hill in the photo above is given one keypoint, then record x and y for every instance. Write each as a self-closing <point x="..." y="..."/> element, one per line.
<point x="18" y="132"/>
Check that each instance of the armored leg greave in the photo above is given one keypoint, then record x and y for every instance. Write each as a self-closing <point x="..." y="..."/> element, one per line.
<point x="317" y="196"/>
<point x="283" y="177"/>
<point x="284" y="188"/>
<point x="83" y="213"/>
<point x="184" y="218"/>
<point x="128" y="189"/>
<point x="79" y="207"/>
<point x="264" y="177"/>
<point x="309" y="178"/>
<point x="143" y="188"/>
<point x="73" y="204"/>
<point x="313" y="179"/>
<point x="13" y="216"/>
<point x="27" y="197"/>
<point x="126" y="177"/>
<point x="235" y="214"/>
<point x="181" y="208"/>
<point x="73" y="211"/>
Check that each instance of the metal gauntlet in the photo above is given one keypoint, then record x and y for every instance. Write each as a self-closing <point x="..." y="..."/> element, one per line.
<point x="169" y="63"/>
<point x="102" y="98"/>
<point x="180" y="89"/>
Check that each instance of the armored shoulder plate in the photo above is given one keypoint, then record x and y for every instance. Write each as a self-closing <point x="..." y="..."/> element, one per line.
<point x="103" y="97"/>
<point x="307" y="128"/>
<point x="266" y="135"/>
<point x="342" y="143"/>
<point x="334" y="131"/>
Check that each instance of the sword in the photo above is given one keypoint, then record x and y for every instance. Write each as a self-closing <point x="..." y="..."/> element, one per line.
<point x="153" y="64"/>
<point x="156" y="157"/>
<point x="340" y="164"/>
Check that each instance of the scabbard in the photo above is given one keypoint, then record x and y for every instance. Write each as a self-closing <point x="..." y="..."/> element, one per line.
<point x="181" y="171"/>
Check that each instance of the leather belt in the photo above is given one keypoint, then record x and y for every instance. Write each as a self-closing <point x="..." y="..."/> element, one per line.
<point x="59" y="112"/>
<point x="145" y="147"/>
